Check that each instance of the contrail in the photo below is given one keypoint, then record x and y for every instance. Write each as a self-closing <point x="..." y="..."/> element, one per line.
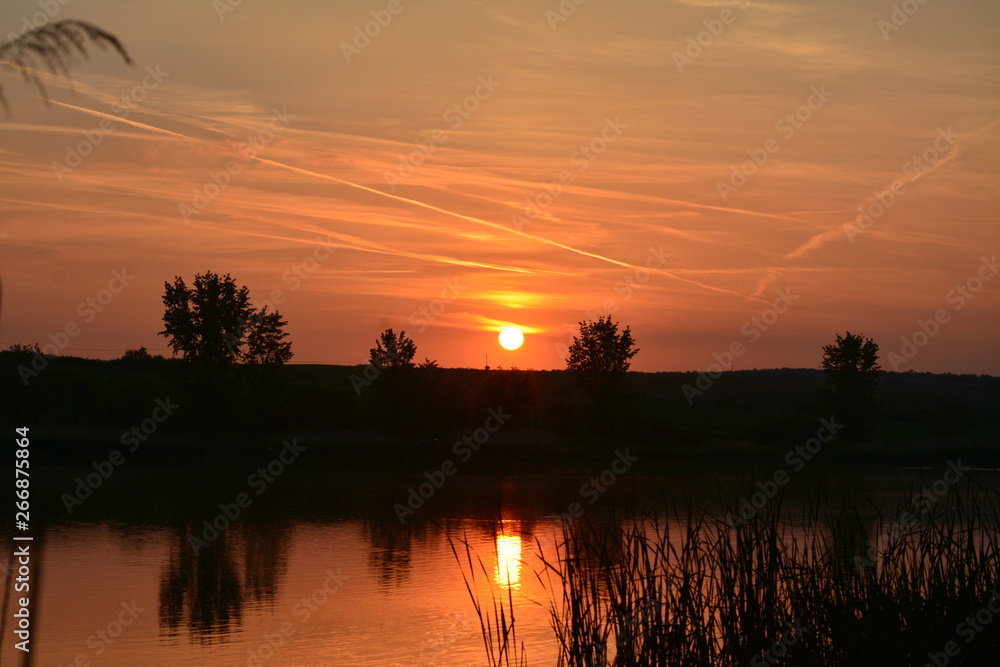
<point x="821" y="239"/>
<point x="493" y="225"/>
<point x="119" y="119"/>
<point x="420" y="204"/>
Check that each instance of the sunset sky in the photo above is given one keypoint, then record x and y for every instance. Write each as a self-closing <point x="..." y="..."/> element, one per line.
<point x="612" y="121"/>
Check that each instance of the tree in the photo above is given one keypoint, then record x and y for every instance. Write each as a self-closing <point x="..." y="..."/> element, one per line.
<point x="136" y="355"/>
<point x="213" y="323"/>
<point x="851" y="367"/>
<point x="21" y="348"/>
<point x="600" y="357"/>
<point x="265" y="344"/>
<point x="396" y="391"/>
<point x="392" y="351"/>
<point x="55" y="48"/>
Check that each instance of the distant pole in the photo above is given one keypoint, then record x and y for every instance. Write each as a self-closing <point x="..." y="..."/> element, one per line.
<point x="487" y="362"/>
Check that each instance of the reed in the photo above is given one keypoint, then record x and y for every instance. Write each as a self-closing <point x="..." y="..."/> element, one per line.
<point x="497" y="622"/>
<point x="851" y="585"/>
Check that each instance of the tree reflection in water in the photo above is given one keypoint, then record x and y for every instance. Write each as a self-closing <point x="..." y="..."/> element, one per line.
<point x="207" y="592"/>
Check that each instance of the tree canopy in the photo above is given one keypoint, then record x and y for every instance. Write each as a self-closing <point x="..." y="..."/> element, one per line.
<point x="851" y="367"/>
<point x="600" y="356"/>
<point x="392" y="350"/>
<point x="213" y="322"/>
<point x="851" y="363"/>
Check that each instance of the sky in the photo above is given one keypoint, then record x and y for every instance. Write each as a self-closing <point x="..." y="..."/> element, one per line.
<point x="718" y="176"/>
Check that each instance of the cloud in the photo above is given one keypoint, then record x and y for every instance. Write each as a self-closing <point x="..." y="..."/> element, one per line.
<point x="903" y="180"/>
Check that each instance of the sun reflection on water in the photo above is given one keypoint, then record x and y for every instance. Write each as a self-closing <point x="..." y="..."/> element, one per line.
<point x="508" y="547"/>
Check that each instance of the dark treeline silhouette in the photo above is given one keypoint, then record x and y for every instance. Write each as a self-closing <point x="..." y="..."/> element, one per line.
<point x="777" y="407"/>
<point x="231" y="380"/>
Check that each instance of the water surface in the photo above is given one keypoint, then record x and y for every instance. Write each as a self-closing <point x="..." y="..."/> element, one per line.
<point x="319" y="570"/>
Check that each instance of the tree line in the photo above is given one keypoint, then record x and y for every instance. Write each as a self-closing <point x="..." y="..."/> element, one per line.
<point x="232" y="356"/>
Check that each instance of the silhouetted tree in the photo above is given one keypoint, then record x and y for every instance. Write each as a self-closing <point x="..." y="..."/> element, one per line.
<point x="392" y="351"/>
<point x="600" y="357"/>
<point x="265" y="342"/>
<point x="213" y="322"/>
<point x="851" y="367"/>
<point x="136" y="354"/>
<point x="391" y="383"/>
<point x="22" y="349"/>
<point x="214" y="326"/>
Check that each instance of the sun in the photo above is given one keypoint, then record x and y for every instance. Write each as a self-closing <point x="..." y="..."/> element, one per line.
<point x="511" y="338"/>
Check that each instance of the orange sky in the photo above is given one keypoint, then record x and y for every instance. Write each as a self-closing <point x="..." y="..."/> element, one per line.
<point x="622" y="131"/>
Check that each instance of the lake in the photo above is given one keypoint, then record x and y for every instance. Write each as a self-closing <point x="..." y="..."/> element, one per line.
<point x="318" y="568"/>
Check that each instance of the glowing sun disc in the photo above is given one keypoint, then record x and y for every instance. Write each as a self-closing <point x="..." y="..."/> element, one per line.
<point x="511" y="338"/>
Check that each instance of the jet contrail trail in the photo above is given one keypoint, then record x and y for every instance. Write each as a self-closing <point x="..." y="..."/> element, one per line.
<point x="420" y="204"/>
<point x="821" y="239"/>
<point x="119" y="119"/>
<point x="494" y="225"/>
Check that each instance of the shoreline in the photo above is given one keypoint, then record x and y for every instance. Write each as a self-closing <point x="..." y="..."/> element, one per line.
<point x="61" y="446"/>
